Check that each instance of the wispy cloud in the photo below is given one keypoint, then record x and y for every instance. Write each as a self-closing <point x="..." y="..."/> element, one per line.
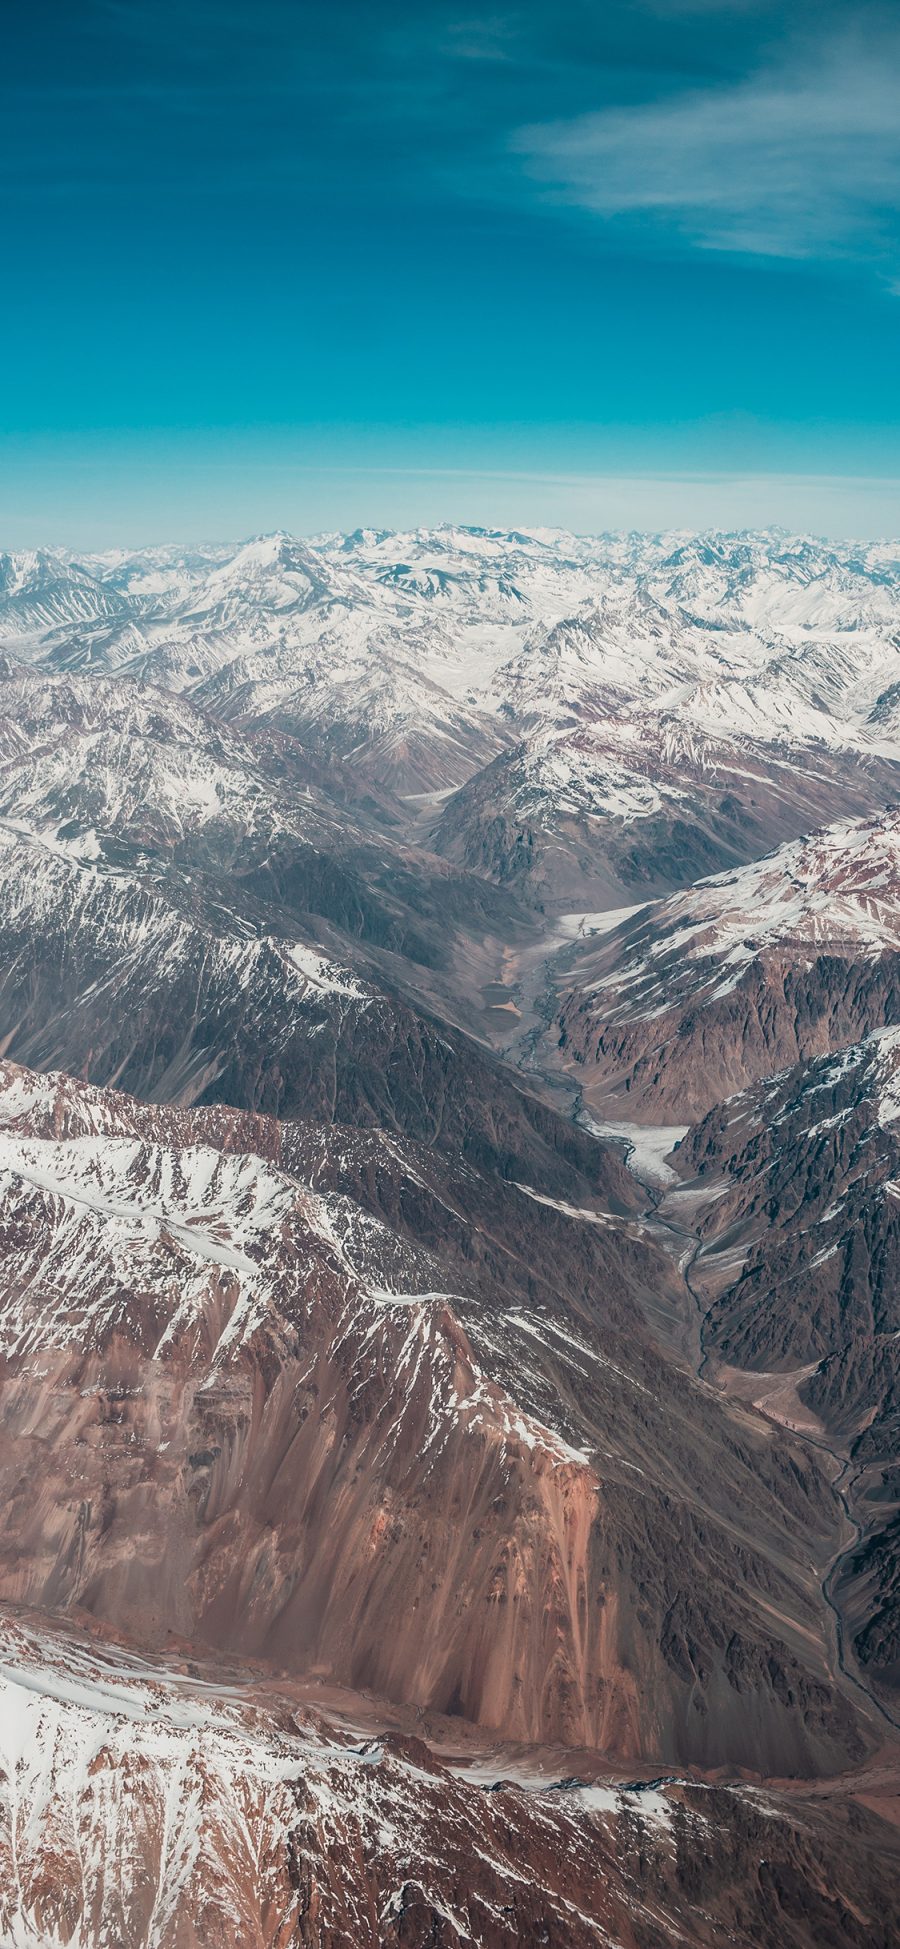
<point x="796" y="163"/>
<point x="488" y="38"/>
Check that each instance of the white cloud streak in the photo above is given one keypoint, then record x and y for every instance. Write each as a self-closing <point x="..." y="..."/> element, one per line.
<point x="799" y="163"/>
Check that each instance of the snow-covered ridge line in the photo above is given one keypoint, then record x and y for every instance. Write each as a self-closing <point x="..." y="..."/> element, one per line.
<point x="178" y="1800"/>
<point x="836" y="891"/>
<point x="464" y="637"/>
<point x="218" y="1244"/>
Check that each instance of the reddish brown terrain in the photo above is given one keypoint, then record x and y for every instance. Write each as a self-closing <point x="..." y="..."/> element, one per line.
<point x="253" y="1818"/>
<point x="239" y="1407"/>
<point x="685" y="1001"/>
<point x="435" y="1509"/>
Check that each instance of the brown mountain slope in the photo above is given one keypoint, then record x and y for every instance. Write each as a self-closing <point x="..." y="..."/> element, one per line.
<point x="239" y="1406"/>
<point x="800" y="1261"/>
<point x="155" y="1803"/>
<point x="691" y="998"/>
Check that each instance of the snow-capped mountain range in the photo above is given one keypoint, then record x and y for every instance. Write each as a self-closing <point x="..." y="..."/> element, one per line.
<point x="621" y="685"/>
<point x="753" y="635"/>
<point x="449" y="1015"/>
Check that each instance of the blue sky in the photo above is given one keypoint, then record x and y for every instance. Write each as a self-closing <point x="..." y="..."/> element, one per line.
<point x="306" y="265"/>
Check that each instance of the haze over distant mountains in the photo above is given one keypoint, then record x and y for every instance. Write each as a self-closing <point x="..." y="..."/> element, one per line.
<point x="449" y="996"/>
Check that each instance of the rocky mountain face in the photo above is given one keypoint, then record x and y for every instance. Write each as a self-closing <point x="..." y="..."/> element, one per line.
<point x="687" y="999"/>
<point x="429" y="1513"/>
<point x="252" y="1818"/>
<point x="267" y="1420"/>
<point x="798" y="1218"/>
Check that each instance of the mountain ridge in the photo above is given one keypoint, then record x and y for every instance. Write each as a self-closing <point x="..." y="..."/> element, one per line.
<point x="449" y="994"/>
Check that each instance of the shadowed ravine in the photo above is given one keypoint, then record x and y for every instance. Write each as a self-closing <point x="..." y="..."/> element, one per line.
<point x="696" y="1315"/>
